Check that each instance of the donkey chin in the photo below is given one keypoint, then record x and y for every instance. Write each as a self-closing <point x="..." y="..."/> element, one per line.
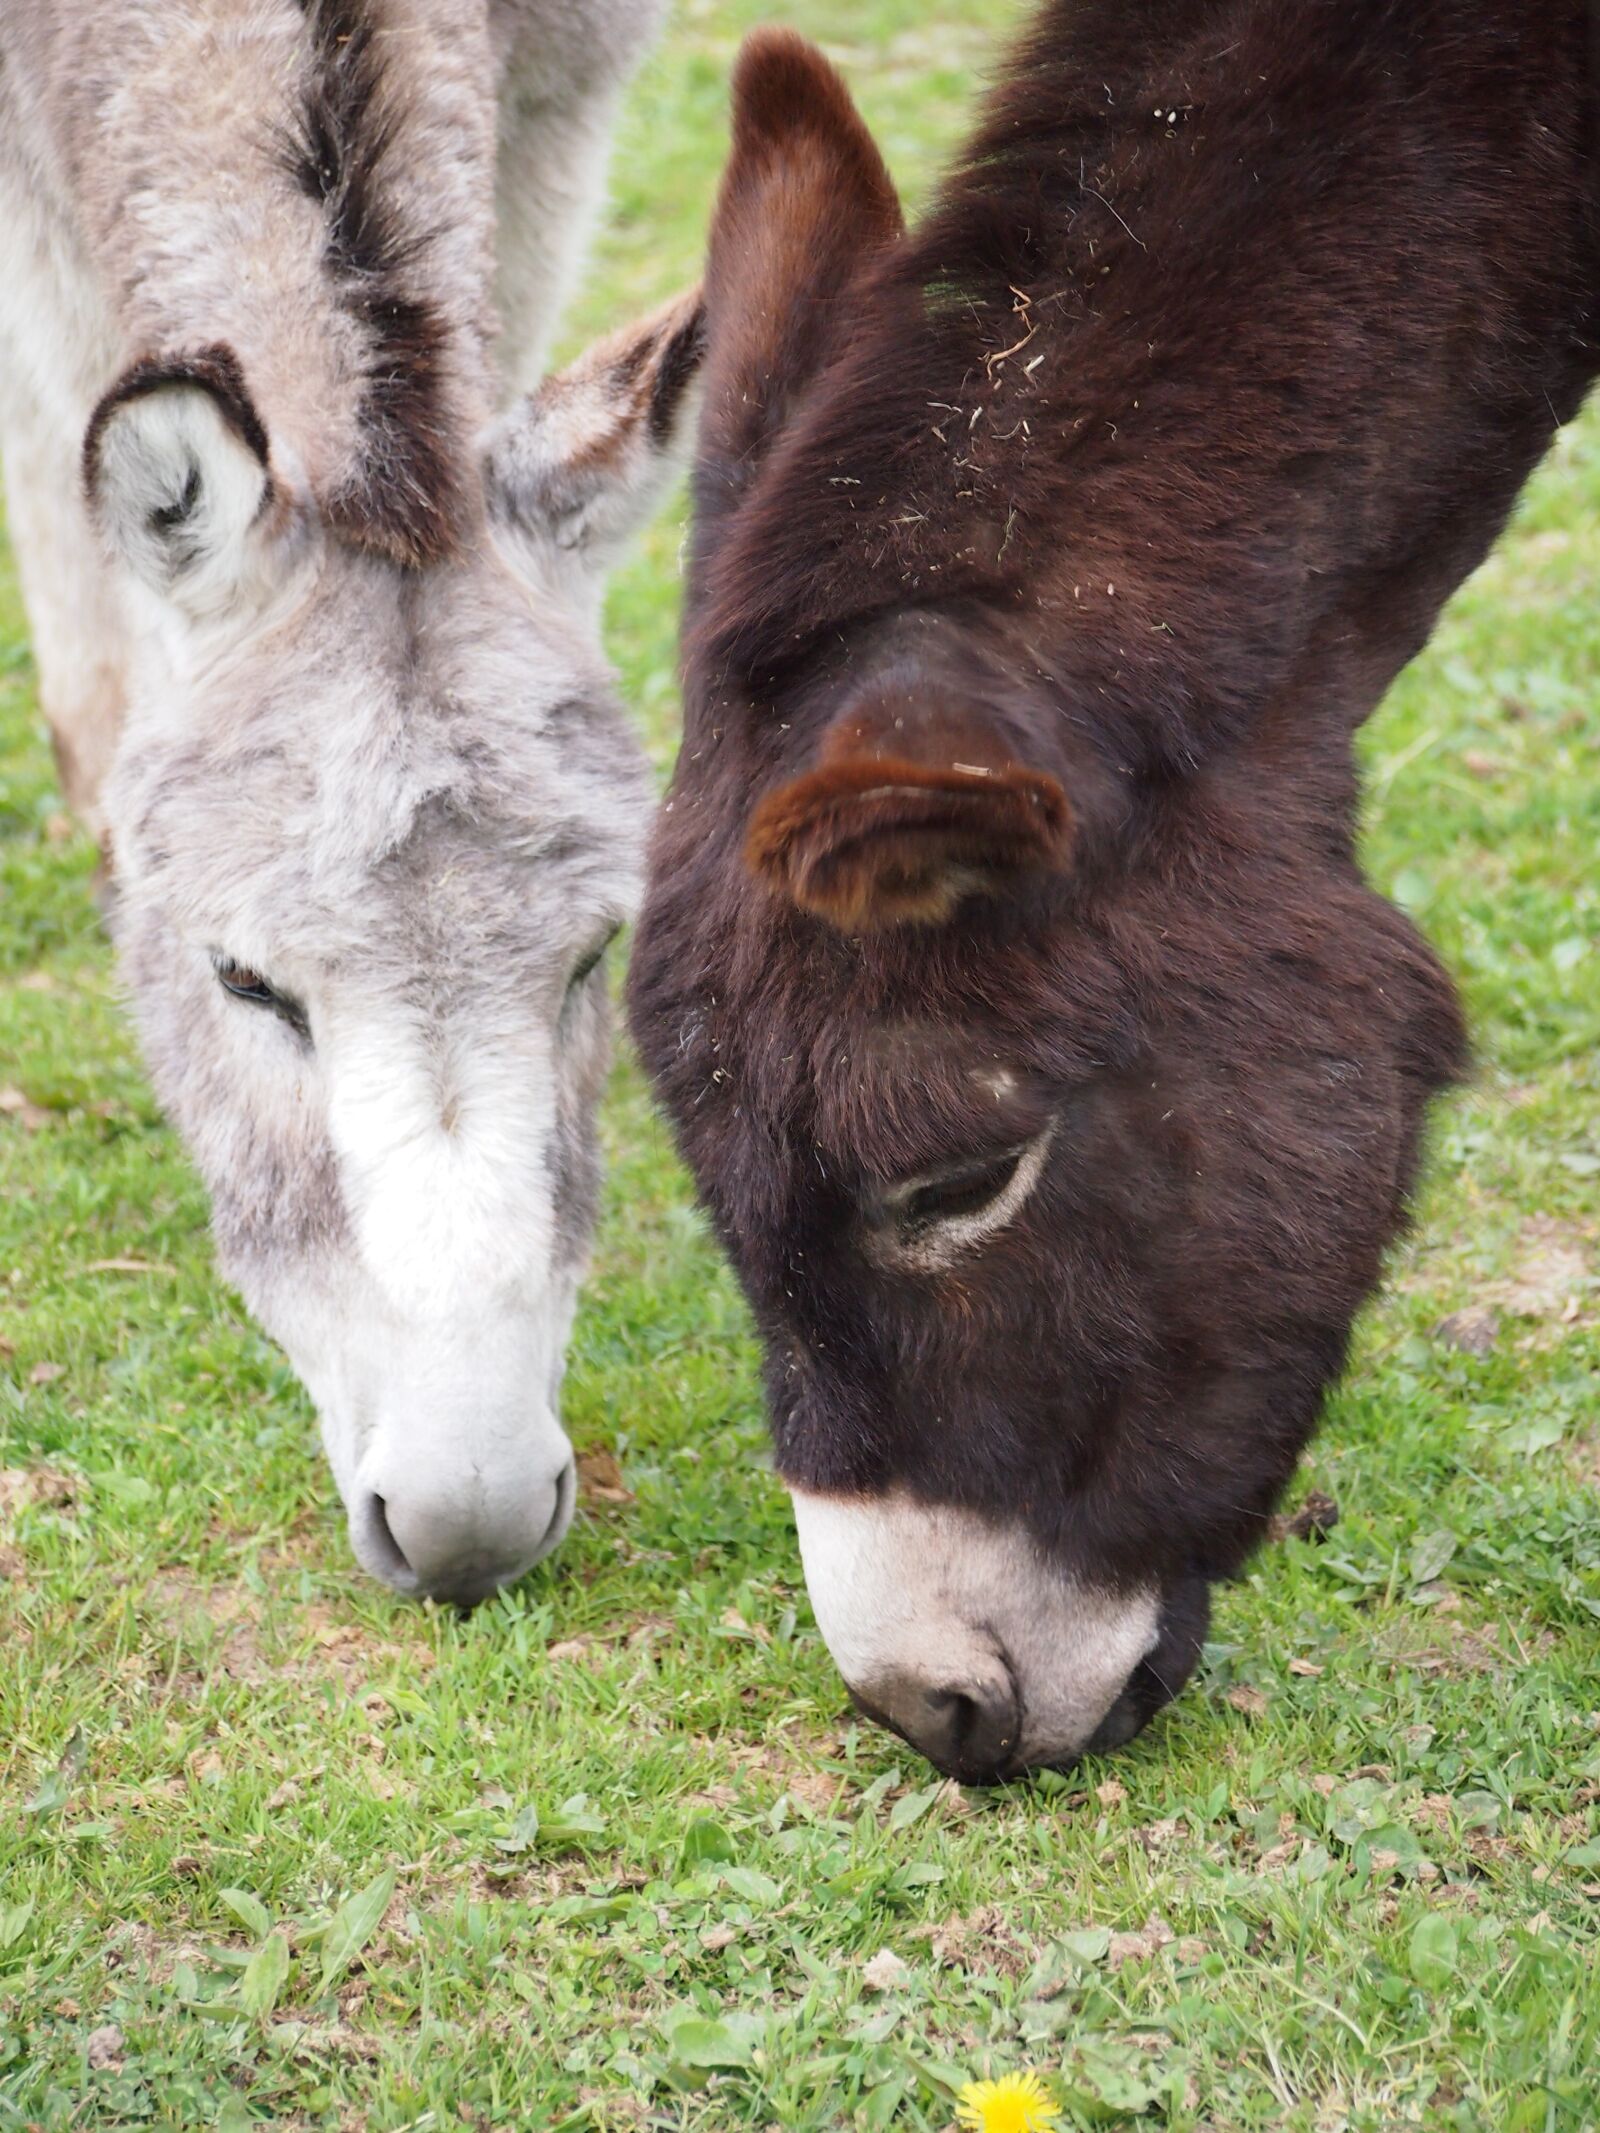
<point x="960" y="1636"/>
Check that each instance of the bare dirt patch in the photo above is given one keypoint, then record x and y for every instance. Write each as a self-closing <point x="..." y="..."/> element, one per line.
<point x="792" y="1762"/>
<point x="237" y="1633"/>
<point x="984" y="1940"/>
<point x="1474" y="1331"/>
<point x="28" y="1488"/>
<point x="1548" y="1285"/>
<point x="1551" y="1284"/>
<point x="1458" y="1649"/>
<point x="31" y="1117"/>
<point x="194" y="1613"/>
<point x="1584" y="1460"/>
<point x="353" y="1652"/>
<point x="600" y="1478"/>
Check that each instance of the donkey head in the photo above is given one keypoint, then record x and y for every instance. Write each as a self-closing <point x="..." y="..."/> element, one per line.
<point x="374" y="820"/>
<point x="1053" y="1165"/>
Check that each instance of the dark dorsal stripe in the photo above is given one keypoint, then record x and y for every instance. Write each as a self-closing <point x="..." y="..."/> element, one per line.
<point x="404" y="498"/>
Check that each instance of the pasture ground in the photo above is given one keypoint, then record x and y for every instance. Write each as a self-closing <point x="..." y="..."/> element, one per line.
<point x="277" y="1848"/>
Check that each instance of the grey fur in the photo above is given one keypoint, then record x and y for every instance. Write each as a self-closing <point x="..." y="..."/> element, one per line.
<point x="405" y="796"/>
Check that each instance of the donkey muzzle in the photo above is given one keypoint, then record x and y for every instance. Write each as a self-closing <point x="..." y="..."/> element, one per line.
<point x="957" y="1633"/>
<point x="457" y="1538"/>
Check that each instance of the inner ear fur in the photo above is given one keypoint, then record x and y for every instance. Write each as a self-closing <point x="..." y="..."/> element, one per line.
<point x="870" y="841"/>
<point x="177" y="471"/>
<point x="215" y="371"/>
<point x="805" y="200"/>
<point x="582" y="462"/>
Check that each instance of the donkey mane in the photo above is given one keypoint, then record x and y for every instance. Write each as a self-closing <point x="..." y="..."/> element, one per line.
<point x="404" y="499"/>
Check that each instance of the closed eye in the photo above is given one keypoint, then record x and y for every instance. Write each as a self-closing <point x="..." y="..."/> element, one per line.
<point x="591" y="962"/>
<point x="243" y="983"/>
<point x="959" y="1192"/>
<point x="923" y="1224"/>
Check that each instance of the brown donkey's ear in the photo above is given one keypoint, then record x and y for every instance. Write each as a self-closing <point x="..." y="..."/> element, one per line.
<point x="870" y="840"/>
<point x="805" y="199"/>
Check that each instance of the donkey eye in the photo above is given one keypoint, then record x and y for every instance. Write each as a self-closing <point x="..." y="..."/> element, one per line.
<point x="247" y="984"/>
<point x="966" y="1191"/>
<point x="924" y="1225"/>
<point x="591" y="962"/>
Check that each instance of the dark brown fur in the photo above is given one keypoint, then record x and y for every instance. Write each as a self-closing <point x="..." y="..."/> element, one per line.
<point x="674" y="371"/>
<point x="797" y="150"/>
<point x="1141" y="467"/>
<point x="406" y="500"/>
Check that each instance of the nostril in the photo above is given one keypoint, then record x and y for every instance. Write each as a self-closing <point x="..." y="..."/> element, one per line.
<point x="970" y="1734"/>
<point x="971" y="1737"/>
<point x="390" y="1556"/>
<point x="952" y="1714"/>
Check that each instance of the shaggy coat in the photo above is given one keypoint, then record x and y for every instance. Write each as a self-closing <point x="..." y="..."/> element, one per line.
<point x="1053" y="1077"/>
<point x="315" y="598"/>
<point x="375" y="207"/>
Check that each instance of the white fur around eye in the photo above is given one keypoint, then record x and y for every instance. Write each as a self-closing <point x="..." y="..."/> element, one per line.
<point x="938" y="1244"/>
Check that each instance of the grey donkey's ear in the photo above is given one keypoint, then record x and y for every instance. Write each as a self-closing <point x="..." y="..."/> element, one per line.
<point x="176" y="465"/>
<point x="574" y="470"/>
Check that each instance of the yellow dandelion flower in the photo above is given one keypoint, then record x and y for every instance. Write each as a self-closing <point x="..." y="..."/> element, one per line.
<point x="1016" y="2103"/>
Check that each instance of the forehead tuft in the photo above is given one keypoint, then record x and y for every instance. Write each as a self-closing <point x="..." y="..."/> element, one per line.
<point x="394" y="744"/>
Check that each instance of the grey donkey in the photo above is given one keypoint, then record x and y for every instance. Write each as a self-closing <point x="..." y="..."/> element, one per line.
<point x="314" y="581"/>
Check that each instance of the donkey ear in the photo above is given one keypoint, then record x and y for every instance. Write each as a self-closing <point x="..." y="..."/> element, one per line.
<point x="805" y="199"/>
<point x="176" y="466"/>
<point x="579" y="466"/>
<point x="873" y="838"/>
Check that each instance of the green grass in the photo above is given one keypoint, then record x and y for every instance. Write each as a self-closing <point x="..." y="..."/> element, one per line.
<point x="626" y="1859"/>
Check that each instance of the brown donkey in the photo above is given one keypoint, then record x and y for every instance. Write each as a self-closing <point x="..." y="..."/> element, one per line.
<point x="1053" y="1077"/>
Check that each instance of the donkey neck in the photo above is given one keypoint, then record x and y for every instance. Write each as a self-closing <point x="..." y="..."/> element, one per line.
<point x="1216" y="353"/>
